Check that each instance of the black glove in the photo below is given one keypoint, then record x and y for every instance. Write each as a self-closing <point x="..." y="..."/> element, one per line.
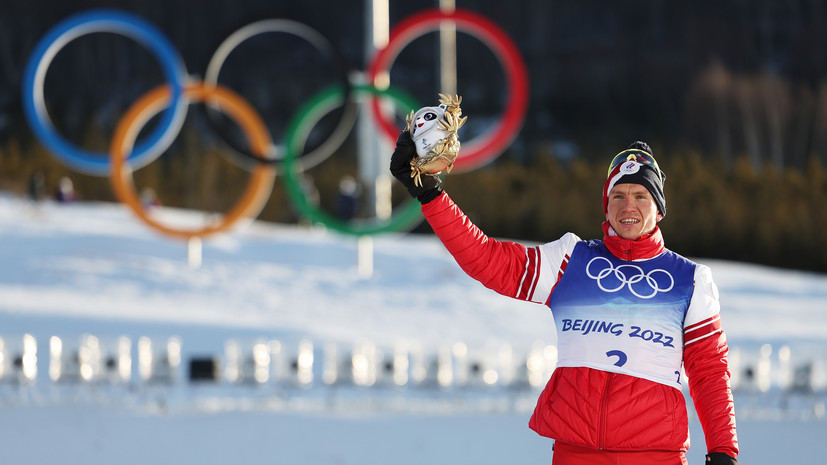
<point x="719" y="458"/>
<point x="401" y="169"/>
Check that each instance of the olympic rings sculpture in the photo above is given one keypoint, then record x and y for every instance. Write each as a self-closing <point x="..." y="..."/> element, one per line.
<point x="264" y="156"/>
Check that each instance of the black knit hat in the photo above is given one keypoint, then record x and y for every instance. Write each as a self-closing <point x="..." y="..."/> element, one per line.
<point x="636" y="165"/>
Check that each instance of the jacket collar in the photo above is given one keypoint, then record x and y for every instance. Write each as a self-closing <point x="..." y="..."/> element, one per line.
<point x="646" y="246"/>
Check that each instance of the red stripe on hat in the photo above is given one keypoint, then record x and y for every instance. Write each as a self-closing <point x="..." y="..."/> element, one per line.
<point x="614" y="175"/>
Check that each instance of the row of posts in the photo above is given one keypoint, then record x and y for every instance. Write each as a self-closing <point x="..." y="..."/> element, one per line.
<point x="304" y="364"/>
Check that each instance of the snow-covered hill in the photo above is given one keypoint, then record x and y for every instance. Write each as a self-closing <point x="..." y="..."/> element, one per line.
<point x="92" y="268"/>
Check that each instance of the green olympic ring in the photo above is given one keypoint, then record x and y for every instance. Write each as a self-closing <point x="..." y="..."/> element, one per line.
<point x="296" y="133"/>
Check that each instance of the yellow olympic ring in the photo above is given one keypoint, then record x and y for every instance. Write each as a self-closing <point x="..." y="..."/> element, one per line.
<point x="225" y="100"/>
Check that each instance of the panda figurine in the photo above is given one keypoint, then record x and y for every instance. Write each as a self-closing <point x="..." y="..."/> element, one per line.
<point x="434" y="132"/>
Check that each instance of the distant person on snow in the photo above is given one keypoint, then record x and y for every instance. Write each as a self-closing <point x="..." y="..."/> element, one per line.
<point x="347" y="199"/>
<point x="149" y="199"/>
<point x="65" y="191"/>
<point x="629" y="315"/>
<point x="37" y="184"/>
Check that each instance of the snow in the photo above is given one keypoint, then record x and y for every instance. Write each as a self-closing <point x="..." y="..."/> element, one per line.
<point x="78" y="269"/>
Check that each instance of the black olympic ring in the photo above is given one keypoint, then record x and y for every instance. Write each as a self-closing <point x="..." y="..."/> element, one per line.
<point x="323" y="44"/>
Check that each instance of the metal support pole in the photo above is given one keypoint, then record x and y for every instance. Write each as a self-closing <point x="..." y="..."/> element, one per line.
<point x="374" y="152"/>
<point x="373" y="149"/>
<point x="194" y="252"/>
<point x="448" y="50"/>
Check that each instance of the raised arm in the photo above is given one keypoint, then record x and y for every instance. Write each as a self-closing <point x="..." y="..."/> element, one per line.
<point x="498" y="265"/>
<point x="502" y="266"/>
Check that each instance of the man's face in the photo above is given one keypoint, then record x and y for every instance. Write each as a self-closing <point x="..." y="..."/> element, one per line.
<point x="632" y="211"/>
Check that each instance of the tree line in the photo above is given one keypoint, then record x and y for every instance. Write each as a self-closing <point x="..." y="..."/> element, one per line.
<point x="716" y="209"/>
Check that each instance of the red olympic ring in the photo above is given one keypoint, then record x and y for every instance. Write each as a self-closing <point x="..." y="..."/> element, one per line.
<point x="474" y="153"/>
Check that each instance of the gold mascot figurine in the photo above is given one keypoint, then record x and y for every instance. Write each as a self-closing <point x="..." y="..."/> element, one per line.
<point x="434" y="131"/>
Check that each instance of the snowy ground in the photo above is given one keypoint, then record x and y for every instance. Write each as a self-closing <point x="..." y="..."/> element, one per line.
<point x="70" y="270"/>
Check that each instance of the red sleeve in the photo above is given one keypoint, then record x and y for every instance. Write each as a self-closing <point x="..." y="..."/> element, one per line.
<point x="499" y="265"/>
<point x="705" y="362"/>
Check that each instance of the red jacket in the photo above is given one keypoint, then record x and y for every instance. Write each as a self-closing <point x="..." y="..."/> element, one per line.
<point x="590" y="407"/>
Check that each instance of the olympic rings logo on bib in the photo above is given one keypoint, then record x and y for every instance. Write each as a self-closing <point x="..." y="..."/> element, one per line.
<point x="613" y="279"/>
<point x="264" y="157"/>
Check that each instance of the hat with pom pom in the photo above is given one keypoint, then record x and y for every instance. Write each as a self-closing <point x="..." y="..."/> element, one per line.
<point x="636" y="165"/>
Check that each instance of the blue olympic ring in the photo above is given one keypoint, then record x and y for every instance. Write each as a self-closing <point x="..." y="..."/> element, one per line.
<point x="104" y="21"/>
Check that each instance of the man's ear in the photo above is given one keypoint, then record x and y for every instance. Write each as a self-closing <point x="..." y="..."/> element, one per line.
<point x="659" y="217"/>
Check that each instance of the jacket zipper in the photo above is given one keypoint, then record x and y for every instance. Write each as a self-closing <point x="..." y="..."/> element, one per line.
<point x="604" y="405"/>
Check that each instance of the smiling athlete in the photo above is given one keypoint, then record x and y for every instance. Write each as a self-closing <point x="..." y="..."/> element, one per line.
<point x="630" y="315"/>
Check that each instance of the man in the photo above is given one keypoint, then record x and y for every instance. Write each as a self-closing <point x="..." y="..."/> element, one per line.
<point x="629" y="314"/>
